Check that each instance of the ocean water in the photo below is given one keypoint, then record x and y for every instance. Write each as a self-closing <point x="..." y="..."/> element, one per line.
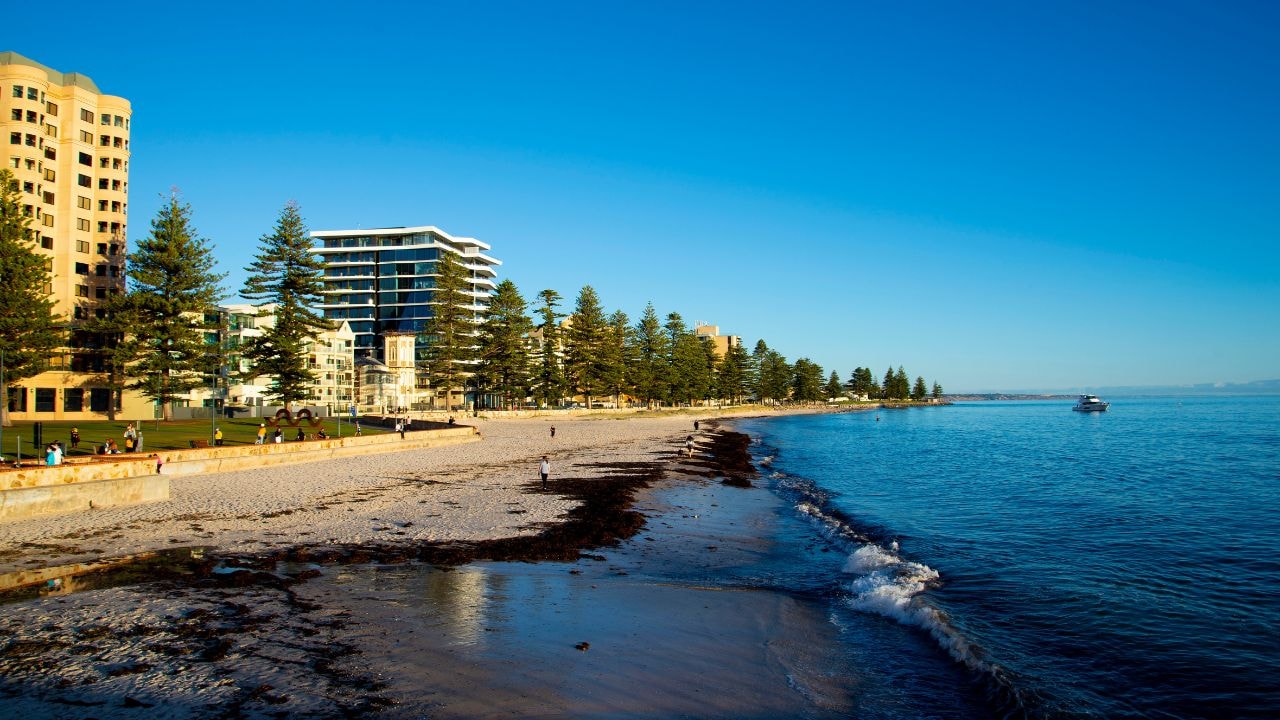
<point x="1023" y="560"/>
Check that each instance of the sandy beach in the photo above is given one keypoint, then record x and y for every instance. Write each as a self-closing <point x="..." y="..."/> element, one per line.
<point x="347" y="588"/>
<point x="468" y="492"/>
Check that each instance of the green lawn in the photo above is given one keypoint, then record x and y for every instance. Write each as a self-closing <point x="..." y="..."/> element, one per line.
<point x="163" y="435"/>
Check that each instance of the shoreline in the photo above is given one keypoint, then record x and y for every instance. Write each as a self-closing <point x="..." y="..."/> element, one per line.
<point x="314" y="627"/>
<point x="477" y="492"/>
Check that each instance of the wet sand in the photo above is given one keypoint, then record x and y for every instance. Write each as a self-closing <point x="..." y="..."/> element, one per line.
<point x="390" y="626"/>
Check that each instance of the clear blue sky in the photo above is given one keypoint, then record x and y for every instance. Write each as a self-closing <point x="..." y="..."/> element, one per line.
<point x="993" y="195"/>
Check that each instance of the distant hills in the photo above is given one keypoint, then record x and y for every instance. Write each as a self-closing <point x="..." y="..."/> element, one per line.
<point x="1257" y="387"/>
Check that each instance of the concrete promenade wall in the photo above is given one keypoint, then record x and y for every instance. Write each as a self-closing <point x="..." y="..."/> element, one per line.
<point x="100" y="481"/>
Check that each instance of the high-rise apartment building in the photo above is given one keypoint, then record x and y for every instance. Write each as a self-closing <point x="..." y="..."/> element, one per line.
<point x="67" y="145"/>
<point x="382" y="282"/>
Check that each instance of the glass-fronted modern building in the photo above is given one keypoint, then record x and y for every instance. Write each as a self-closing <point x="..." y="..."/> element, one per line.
<point x="382" y="280"/>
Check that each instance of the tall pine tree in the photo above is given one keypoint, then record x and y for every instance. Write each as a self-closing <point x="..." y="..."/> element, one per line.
<point x="172" y="301"/>
<point x="29" y="330"/>
<point x="451" y="328"/>
<point x="732" y="373"/>
<point x="548" y="381"/>
<point x="649" y="371"/>
<point x="288" y="274"/>
<point x="585" y="360"/>
<point x="617" y="356"/>
<point x="834" y="388"/>
<point x="503" y="351"/>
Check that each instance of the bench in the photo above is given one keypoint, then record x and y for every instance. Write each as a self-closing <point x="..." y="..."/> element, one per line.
<point x="199" y="444"/>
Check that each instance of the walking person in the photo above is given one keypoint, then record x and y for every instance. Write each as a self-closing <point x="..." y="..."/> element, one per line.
<point x="688" y="446"/>
<point x="553" y="431"/>
<point x="695" y="426"/>
<point x="75" y="438"/>
<point x="544" y="469"/>
<point x="217" y="436"/>
<point x="159" y="463"/>
<point x="262" y="434"/>
<point x="358" y="429"/>
<point x="400" y="428"/>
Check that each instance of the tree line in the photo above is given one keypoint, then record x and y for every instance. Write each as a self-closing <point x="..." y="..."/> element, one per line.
<point x="155" y="338"/>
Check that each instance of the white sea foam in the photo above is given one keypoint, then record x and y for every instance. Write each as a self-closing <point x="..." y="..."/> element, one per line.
<point x="888" y="585"/>
<point x="869" y="557"/>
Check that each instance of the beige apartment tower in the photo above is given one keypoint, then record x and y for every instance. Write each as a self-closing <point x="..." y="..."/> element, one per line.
<point x="67" y="145"/>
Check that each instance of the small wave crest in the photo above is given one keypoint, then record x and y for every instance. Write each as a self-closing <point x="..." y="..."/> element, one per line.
<point x="887" y="584"/>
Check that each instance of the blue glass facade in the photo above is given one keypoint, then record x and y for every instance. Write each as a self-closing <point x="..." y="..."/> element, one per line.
<point x="383" y="283"/>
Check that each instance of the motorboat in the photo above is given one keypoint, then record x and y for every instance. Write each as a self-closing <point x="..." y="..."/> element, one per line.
<point x="1090" y="403"/>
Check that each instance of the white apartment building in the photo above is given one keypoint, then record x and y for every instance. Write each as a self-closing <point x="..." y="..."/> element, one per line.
<point x="330" y="356"/>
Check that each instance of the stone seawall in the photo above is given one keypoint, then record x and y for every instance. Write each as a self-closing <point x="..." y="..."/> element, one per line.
<point x="100" y="481"/>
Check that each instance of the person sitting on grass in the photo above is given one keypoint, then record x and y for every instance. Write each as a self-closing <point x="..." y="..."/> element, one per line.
<point x="301" y="435"/>
<point x="322" y="435"/>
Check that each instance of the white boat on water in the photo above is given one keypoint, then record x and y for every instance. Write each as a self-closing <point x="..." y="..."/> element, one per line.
<point x="1090" y="403"/>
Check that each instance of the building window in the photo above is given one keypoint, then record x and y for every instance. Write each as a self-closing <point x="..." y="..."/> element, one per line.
<point x="17" y="115"/>
<point x="85" y="181"/>
<point x="33" y="93"/>
<point x="82" y="268"/>
<point x="99" y="399"/>
<point x="51" y="109"/>
<point x="102" y="248"/>
<point x="50" y="175"/>
<point x="86" y="137"/>
<point x="17" y="91"/>
<point x="15" y="138"/>
<point x="17" y="399"/>
<point x="82" y="291"/>
<point x="73" y="399"/>
<point x="82" y="224"/>
<point x="47" y="220"/>
<point x="106" y="119"/>
<point x="83" y="202"/>
<point x="44" y="399"/>
<point x="103" y="163"/>
<point x="86" y="159"/>
<point x="104" y="140"/>
<point x="115" y="271"/>
<point x="119" y="121"/>
<point x="102" y="226"/>
<point x="86" y="116"/>
<point x="100" y="293"/>
<point x="82" y="246"/>
<point x="46" y="242"/>
<point x="31" y="139"/>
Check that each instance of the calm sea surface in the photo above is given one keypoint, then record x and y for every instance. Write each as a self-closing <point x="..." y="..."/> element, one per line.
<point x="1047" y="563"/>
